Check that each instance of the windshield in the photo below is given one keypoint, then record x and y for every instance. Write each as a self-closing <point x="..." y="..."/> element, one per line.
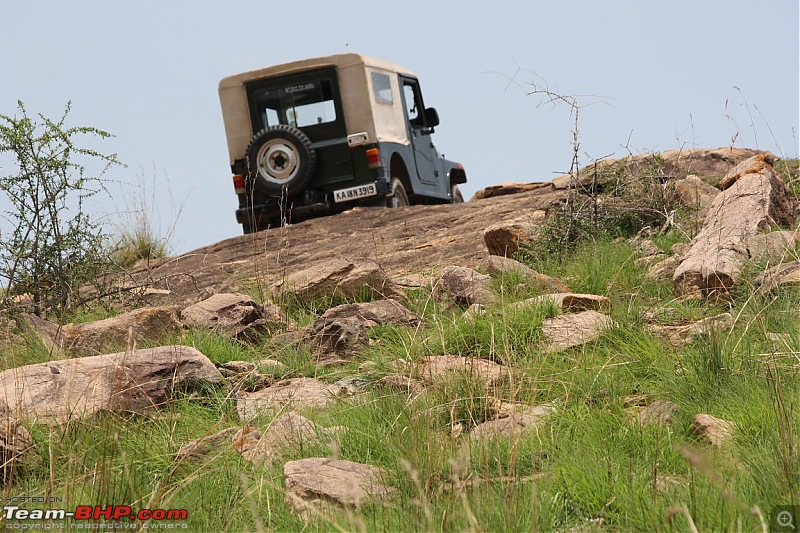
<point x="297" y="104"/>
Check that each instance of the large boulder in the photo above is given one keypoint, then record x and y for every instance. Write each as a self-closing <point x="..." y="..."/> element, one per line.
<point x="508" y="237"/>
<point x="755" y="200"/>
<point x="137" y="381"/>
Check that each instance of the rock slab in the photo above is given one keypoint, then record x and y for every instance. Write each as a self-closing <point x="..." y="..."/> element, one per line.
<point x="303" y="392"/>
<point x="319" y="484"/>
<point x="515" y="424"/>
<point x="337" y="277"/>
<point x="568" y="331"/>
<point x="754" y="200"/>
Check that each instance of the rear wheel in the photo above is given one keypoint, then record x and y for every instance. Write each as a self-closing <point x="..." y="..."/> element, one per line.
<point x="398" y="198"/>
<point x="455" y="195"/>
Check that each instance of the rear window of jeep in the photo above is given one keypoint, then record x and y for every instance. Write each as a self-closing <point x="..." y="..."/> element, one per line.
<point x="298" y="104"/>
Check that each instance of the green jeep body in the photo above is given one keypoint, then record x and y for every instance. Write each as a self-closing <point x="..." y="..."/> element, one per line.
<point x="318" y="136"/>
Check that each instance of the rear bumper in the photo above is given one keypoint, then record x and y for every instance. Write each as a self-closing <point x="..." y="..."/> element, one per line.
<point x="312" y="204"/>
<point x="264" y="213"/>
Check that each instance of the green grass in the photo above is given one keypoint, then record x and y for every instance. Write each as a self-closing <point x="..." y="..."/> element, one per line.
<point x="590" y="466"/>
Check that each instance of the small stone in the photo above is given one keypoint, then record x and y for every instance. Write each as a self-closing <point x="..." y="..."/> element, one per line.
<point x="569" y="302"/>
<point x="711" y="430"/>
<point x="659" y="412"/>
<point x="204" y="445"/>
<point x="400" y="383"/>
<point x="513" y="425"/>
<point x="240" y="367"/>
<point x="286" y="433"/>
<point x="465" y="286"/>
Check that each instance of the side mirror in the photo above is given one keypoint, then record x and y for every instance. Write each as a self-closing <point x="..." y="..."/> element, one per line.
<point x="431" y="117"/>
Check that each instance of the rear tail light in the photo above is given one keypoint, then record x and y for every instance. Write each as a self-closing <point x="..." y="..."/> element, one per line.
<point x="238" y="183"/>
<point x="374" y="158"/>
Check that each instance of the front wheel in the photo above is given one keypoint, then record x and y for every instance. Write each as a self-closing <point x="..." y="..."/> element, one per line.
<point x="398" y="198"/>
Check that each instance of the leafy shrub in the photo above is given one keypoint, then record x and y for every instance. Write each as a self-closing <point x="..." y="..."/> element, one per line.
<point x="616" y="200"/>
<point x="55" y="245"/>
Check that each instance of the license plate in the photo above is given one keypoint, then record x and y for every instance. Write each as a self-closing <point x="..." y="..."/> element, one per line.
<point x="353" y="193"/>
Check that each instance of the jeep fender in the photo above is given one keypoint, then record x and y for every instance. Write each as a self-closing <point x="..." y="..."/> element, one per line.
<point x="398" y="168"/>
<point x="455" y="172"/>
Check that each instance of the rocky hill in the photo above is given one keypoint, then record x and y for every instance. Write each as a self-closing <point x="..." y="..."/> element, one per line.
<point x="403" y="365"/>
<point x="410" y="245"/>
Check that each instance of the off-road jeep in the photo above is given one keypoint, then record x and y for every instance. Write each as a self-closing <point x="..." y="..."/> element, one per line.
<point x="318" y="136"/>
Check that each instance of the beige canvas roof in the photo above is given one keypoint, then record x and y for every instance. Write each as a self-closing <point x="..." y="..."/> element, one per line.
<point x="362" y="114"/>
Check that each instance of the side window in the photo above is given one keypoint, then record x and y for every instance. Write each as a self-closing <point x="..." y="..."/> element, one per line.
<point x="412" y="104"/>
<point x="382" y="88"/>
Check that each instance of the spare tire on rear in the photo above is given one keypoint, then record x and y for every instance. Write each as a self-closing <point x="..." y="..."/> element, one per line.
<point x="280" y="160"/>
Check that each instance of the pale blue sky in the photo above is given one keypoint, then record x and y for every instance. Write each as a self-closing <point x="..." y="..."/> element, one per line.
<point x="147" y="71"/>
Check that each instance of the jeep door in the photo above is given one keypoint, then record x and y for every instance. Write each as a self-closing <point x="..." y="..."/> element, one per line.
<point x="309" y="101"/>
<point x="426" y="158"/>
